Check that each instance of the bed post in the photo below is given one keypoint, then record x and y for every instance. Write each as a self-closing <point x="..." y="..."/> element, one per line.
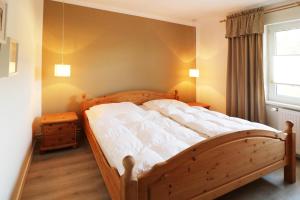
<point x="290" y="169"/>
<point x="128" y="185"/>
<point x="176" y="95"/>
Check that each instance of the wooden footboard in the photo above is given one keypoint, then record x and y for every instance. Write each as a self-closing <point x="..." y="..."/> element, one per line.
<point x="215" y="166"/>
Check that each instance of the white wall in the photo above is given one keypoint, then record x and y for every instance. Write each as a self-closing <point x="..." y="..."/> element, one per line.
<point x="281" y="16"/>
<point x="20" y="99"/>
<point x="212" y="62"/>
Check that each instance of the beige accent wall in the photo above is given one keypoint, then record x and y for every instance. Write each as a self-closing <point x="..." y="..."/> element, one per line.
<point x="20" y="94"/>
<point x="111" y="52"/>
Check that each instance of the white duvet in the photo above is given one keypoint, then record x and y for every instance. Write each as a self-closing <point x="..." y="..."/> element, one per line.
<point x="203" y="121"/>
<point x="123" y="129"/>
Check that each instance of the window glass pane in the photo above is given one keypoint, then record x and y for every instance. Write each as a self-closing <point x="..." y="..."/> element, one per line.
<point x="286" y="69"/>
<point x="288" y="90"/>
<point x="288" y="42"/>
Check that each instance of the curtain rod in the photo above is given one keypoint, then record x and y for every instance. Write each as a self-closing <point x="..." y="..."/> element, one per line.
<point x="278" y="8"/>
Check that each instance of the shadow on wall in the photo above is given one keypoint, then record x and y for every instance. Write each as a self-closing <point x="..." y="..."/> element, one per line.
<point x="186" y="87"/>
<point x="62" y="96"/>
<point x="74" y="103"/>
<point x="211" y="94"/>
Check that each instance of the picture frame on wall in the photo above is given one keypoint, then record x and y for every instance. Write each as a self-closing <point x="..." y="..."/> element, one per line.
<point x="3" y="14"/>
<point x="13" y="57"/>
<point x="9" y="58"/>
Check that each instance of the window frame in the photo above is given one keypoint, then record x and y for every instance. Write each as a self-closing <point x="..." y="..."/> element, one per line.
<point x="270" y="51"/>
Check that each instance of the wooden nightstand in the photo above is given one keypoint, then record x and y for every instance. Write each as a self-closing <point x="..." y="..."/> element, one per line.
<point x="58" y="131"/>
<point x="204" y="105"/>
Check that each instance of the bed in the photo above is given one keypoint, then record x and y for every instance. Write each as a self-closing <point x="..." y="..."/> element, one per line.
<point x="206" y="170"/>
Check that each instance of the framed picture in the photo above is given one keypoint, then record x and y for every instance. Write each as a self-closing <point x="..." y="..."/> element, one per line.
<point x="3" y="9"/>
<point x="9" y="58"/>
<point x="13" y="57"/>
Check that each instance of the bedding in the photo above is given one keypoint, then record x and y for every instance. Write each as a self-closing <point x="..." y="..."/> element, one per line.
<point x="203" y="121"/>
<point x="123" y="129"/>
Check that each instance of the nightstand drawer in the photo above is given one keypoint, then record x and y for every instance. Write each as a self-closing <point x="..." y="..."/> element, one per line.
<point x="58" y="140"/>
<point x="62" y="128"/>
<point x="59" y="131"/>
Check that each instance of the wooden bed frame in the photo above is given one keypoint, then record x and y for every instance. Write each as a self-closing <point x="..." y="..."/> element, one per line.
<point x="206" y="170"/>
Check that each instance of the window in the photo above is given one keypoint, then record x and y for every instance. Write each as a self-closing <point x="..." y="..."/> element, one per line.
<point x="282" y="65"/>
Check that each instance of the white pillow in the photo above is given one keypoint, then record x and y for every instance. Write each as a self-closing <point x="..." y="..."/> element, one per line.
<point x="163" y="103"/>
<point x="113" y="109"/>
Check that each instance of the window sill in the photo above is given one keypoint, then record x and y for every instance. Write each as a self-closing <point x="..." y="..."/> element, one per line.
<point x="283" y="105"/>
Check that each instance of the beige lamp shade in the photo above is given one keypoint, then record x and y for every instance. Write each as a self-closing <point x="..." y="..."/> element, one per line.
<point x="194" y="73"/>
<point x="62" y="70"/>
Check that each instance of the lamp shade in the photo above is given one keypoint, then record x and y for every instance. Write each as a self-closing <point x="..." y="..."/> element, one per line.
<point x="194" y="73"/>
<point x="62" y="70"/>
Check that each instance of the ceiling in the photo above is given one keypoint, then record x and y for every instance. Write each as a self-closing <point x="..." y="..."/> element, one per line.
<point x="180" y="11"/>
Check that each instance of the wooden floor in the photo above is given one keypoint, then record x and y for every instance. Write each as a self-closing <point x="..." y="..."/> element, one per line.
<point x="65" y="175"/>
<point x="73" y="174"/>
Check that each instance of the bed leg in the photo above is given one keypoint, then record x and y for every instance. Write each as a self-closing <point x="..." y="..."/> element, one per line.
<point x="176" y="95"/>
<point x="128" y="185"/>
<point x="290" y="169"/>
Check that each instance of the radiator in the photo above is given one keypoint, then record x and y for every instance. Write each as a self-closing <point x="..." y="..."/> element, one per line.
<point x="293" y="116"/>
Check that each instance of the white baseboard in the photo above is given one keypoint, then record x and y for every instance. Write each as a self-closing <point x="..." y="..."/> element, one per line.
<point x="17" y="193"/>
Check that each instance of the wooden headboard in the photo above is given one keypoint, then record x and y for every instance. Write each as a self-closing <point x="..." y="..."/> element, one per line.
<point x="138" y="97"/>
